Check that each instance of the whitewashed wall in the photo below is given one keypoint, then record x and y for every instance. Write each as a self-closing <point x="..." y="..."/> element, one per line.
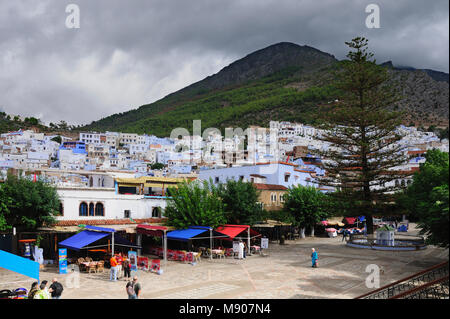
<point x="114" y="204"/>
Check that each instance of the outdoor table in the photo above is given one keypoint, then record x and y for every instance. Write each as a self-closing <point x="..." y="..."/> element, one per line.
<point x="216" y="252"/>
<point x="89" y="263"/>
<point x="255" y="248"/>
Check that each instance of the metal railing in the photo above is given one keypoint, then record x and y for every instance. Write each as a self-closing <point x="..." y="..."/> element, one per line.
<point x="436" y="289"/>
<point x="410" y="283"/>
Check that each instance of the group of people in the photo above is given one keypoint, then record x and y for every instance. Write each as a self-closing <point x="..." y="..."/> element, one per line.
<point x="41" y="291"/>
<point x="118" y="264"/>
<point x="121" y="263"/>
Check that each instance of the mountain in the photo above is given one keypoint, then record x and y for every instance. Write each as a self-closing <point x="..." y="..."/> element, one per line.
<point x="285" y="82"/>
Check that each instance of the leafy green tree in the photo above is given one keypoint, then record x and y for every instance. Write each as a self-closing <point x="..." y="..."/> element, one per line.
<point x="362" y="135"/>
<point x="426" y="199"/>
<point x="240" y="200"/>
<point x="57" y="139"/>
<point x="31" y="120"/>
<point x="194" y="204"/>
<point x="443" y="133"/>
<point x="157" y="166"/>
<point x="25" y="204"/>
<point x="306" y="205"/>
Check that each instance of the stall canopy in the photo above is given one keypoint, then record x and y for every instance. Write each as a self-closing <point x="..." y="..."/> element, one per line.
<point x="232" y="231"/>
<point x="151" y="230"/>
<point x="189" y="233"/>
<point x="92" y="234"/>
<point x="350" y="220"/>
<point x="82" y="239"/>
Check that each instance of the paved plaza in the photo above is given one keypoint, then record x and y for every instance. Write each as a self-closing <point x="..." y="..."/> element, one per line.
<point x="285" y="273"/>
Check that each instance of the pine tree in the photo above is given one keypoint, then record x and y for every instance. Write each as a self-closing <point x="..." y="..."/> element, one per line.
<point x="361" y="134"/>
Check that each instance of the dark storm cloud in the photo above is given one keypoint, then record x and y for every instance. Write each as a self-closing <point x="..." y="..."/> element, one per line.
<point x="129" y="53"/>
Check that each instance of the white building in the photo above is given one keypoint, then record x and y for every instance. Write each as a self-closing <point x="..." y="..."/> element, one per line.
<point x="105" y="204"/>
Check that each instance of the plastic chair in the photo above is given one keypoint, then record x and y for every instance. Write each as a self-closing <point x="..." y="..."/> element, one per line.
<point x="198" y="256"/>
<point x="101" y="266"/>
<point x="221" y="254"/>
<point x="156" y="265"/>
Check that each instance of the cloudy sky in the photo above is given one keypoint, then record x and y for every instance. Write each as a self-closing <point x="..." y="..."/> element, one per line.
<point x="129" y="53"/>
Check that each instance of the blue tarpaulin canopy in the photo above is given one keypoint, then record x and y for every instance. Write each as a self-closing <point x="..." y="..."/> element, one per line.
<point x="186" y="234"/>
<point x="82" y="239"/>
<point x="86" y="237"/>
<point x="103" y="229"/>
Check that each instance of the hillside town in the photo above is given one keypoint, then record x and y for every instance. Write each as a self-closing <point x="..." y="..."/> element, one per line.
<point x="111" y="177"/>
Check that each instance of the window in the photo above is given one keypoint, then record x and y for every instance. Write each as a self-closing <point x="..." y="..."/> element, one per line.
<point x="99" y="210"/>
<point x="216" y="180"/>
<point x="127" y="213"/>
<point x="83" y="209"/>
<point x="156" y="212"/>
<point x="61" y="209"/>
<point x="241" y="178"/>
<point x="273" y="197"/>
<point x="286" y="178"/>
<point x="91" y="209"/>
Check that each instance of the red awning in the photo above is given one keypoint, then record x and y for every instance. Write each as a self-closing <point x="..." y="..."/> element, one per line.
<point x="350" y="220"/>
<point x="156" y="231"/>
<point x="232" y="230"/>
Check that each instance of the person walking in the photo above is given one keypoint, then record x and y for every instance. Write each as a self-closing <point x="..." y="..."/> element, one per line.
<point x="34" y="289"/>
<point x="126" y="269"/>
<point x="42" y="293"/>
<point x="56" y="289"/>
<point x="314" y="258"/>
<point x="113" y="273"/>
<point x="137" y="287"/>
<point x="344" y="234"/>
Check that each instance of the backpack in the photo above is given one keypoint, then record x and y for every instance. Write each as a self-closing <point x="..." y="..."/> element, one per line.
<point x="130" y="289"/>
<point x="58" y="289"/>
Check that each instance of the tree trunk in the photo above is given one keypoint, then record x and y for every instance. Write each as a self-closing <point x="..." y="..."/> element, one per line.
<point x="312" y="231"/>
<point x="302" y="232"/>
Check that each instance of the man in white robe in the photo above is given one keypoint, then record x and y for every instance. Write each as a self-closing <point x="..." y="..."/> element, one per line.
<point x="241" y="250"/>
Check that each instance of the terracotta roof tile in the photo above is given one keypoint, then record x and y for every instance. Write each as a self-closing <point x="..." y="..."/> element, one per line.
<point x="99" y="222"/>
<point x="269" y="187"/>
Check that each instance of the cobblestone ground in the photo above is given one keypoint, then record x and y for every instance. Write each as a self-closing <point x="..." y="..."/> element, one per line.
<point x="285" y="273"/>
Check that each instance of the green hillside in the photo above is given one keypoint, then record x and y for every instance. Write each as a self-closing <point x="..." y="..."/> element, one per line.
<point x="283" y="82"/>
<point x="254" y="103"/>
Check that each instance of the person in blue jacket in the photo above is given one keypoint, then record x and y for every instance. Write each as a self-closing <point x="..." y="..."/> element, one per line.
<point x="314" y="258"/>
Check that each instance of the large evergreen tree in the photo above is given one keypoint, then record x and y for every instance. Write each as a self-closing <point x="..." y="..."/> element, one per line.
<point x="361" y="134"/>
